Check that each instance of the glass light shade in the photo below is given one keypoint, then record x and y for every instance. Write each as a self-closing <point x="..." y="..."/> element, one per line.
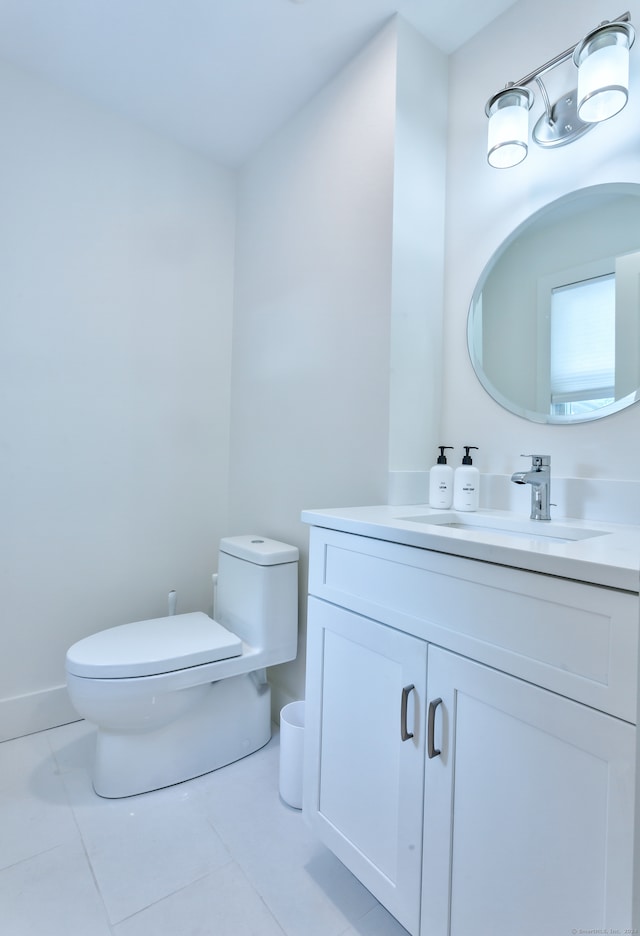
<point x="508" y="113"/>
<point x="603" y="71"/>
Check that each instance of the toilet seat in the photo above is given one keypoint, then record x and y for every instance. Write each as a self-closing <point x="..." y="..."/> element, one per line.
<point x="149" y="648"/>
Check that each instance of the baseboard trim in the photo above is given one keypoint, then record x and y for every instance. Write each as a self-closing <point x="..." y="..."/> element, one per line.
<point x="279" y="698"/>
<point x="35" y="711"/>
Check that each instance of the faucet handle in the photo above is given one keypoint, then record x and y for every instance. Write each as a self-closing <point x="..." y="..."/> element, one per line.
<point x="538" y="461"/>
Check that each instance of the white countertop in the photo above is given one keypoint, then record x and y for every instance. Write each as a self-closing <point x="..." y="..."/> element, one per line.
<point x="609" y="555"/>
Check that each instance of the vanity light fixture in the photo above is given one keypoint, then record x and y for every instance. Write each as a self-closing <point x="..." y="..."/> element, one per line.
<point x="602" y="60"/>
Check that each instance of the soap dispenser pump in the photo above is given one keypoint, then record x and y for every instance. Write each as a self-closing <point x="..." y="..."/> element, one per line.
<point x="466" y="483"/>
<point x="441" y="481"/>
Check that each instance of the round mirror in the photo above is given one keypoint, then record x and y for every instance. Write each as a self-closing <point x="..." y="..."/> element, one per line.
<point x="554" y="322"/>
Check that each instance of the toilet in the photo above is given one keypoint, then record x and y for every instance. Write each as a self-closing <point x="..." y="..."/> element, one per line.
<point x="178" y="696"/>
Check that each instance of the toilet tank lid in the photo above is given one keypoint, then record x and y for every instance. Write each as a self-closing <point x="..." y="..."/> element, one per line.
<point x="259" y="549"/>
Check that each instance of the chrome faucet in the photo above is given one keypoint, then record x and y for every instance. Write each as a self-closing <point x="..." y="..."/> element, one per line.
<point x="539" y="477"/>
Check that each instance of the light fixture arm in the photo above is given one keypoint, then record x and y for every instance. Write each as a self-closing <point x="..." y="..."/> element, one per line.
<point x="563" y="56"/>
<point x="548" y="109"/>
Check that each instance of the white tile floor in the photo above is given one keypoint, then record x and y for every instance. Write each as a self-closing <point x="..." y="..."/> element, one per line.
<point x="218" y="856"/>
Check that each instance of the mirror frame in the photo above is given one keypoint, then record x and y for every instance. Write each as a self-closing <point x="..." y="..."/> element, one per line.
<point x="608" y="188"/>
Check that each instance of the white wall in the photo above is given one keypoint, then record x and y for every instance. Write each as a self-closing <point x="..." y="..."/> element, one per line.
<point x="484" y="205"/>
<point x="310" y="384"/>
<point x="116" y="291"/>
<point x="338" y="283"/>
<point x="127" y="455"/>
<point x="420" y="155"/>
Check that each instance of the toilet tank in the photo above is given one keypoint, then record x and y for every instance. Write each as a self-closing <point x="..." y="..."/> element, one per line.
<point x="257" y="594"/>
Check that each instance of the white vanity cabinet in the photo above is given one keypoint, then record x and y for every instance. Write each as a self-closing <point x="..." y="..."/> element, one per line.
<point x="367" y="684"/>
<point x="514" y="806"/>
<point x="540" y="791"/>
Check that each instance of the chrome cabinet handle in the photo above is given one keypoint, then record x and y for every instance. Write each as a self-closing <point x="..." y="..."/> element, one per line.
<point x="404" y="734"/>
<point x="431" y="750"/>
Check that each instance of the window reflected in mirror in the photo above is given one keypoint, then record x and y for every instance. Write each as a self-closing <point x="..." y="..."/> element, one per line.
<point x="582" y="346"/>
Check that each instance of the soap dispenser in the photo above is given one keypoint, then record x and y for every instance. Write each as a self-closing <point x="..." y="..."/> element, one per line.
<point x="466" y="483"/>
<point x="441" y="481"/>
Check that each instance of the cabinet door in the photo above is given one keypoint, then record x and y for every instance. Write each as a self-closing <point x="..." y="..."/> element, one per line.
<point x="529" y="809"/>
<point x="364" y="784"/>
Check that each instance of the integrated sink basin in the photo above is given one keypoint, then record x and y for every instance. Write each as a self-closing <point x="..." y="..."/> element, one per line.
<point x="548" y="531"/>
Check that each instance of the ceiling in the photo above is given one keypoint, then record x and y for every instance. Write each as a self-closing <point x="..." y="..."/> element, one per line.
<point x="218" y="75"/>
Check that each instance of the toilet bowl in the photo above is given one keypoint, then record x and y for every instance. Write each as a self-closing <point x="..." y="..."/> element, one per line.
<point x="176" y="697"/>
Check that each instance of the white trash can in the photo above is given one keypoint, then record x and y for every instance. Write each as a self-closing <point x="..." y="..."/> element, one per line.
<point x="291" y="753"/>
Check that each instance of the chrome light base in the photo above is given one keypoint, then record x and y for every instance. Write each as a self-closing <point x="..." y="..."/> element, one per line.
<point x="564" y="126"/>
